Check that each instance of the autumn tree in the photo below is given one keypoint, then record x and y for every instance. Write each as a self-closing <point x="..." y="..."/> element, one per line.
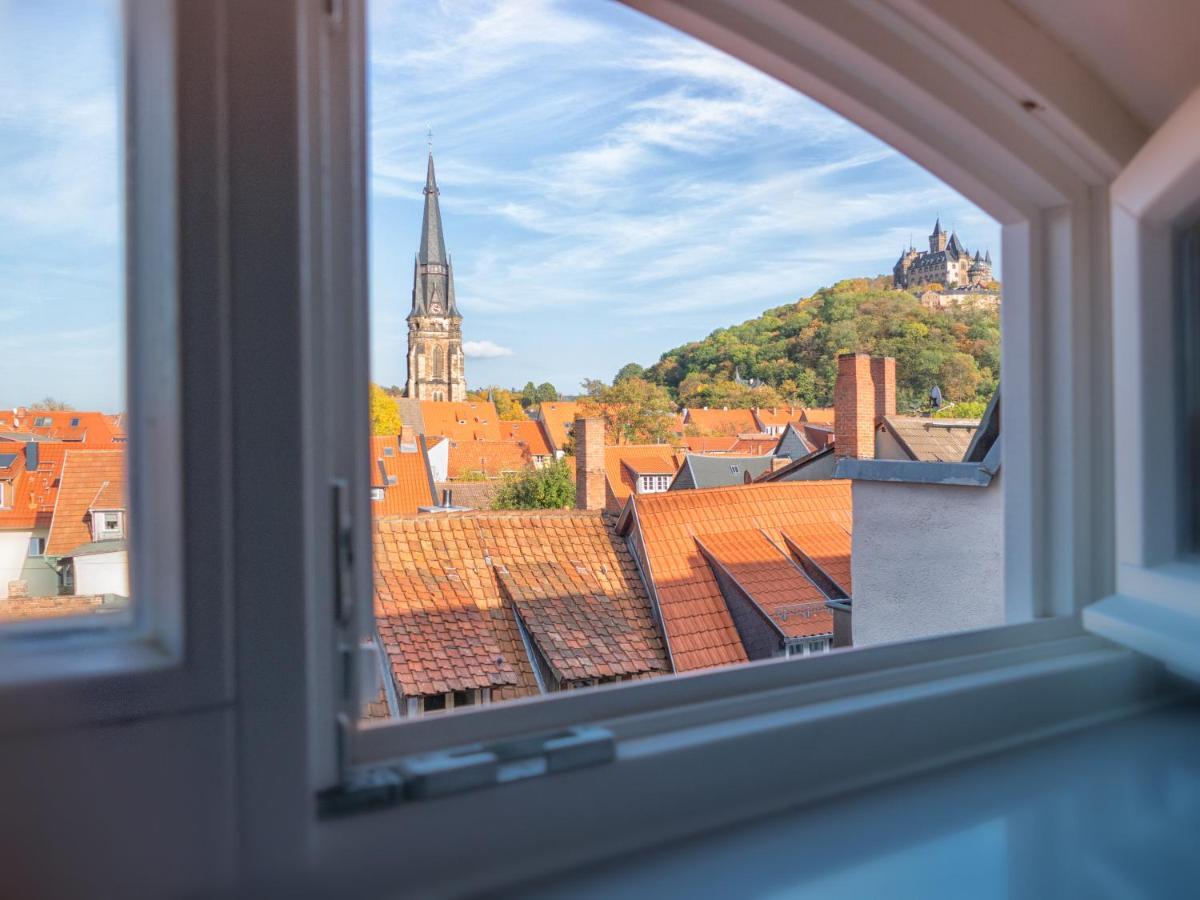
<point x="49" y="404"/>
<point x="634" y="410"/>
<point x="385" y="415"/>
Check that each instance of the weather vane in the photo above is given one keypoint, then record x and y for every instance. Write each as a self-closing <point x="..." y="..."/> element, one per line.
<point x="429" y="136"/>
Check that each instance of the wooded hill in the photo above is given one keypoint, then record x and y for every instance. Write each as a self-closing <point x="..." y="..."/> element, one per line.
<point x="793" y="350"/>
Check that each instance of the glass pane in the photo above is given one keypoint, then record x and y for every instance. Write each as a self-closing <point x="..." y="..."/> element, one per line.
<point x="63" y="523"/>
<point x="614" y="270"/>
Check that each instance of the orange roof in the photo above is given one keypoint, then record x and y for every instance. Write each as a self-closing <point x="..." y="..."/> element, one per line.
<point x="698" y="625"/>
<point x="755" y="445"/>
<point x="709" y="444"/>
<point x="88" y="477"/>
<point x="527" y="432"/>
<point x="624" y="462"/>
<point x="818" y="415"/>
<point x="33" y="493"/>
<point x="779" y="416"/>
<point x="492" y="458"/>
<point x="771" y="580"/>
<point x="560" y="419"/>
<point x="92" y="428"/>
<point x="722" y="421"/>
<point x="828" y="548"/>
<point x="449" y="589"/>
<point x="473" y="420"/>
<point x="404" y="478"/>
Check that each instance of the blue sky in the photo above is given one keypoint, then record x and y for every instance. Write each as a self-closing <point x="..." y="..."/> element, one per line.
<point x="610" y="189"/>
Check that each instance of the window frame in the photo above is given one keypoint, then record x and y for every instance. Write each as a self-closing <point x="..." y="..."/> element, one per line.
<point x="174" y="652"/>
<point x="1155" y="607"/>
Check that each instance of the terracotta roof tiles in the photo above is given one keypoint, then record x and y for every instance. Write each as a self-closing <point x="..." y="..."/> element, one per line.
<point x="472" y="420"/>
<point x="402" y="476"/>
<point x="87" y="476"/>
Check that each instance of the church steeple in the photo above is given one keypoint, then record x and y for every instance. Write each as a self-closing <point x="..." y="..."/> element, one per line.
<point x="433" y="245"/>
<point x="435" y="357"/>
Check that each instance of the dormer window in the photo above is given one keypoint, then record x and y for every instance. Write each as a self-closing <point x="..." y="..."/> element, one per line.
<point x="43" y="422"/>
<point x="108" y="524"/>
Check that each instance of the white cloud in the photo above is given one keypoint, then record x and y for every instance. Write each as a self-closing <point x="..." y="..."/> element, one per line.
<point x="484" y="350"/>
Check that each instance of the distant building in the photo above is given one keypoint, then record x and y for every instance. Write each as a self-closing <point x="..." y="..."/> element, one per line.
<point x="436" y="369"/>
<point x="947" y="262"/>
<point x="88" y="534"/>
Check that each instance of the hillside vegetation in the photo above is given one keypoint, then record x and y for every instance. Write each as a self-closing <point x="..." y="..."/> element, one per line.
<point x="793" y="350"/>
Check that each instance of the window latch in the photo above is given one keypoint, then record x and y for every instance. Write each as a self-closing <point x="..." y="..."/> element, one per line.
<point x="425" y="776"/>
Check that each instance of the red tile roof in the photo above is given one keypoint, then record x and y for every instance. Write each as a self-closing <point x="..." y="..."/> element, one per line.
<point x="492" y="458"/>
<point x="32" y="493"/>
<point x="473" y="420"/>
<point x="528" y="432"/>
<point x="772" y="581"/>
<point x="708" y="443"/>
<point x="699" y="628"/>
<point x="818" y="415"/>
<point x="404" y="478"/>
<point x="722" y="421"/>
<point x="448" y="588"/>
<point x="755" y="445"/>
<point x="559" y="419"/>
<point x="828" y="548"/>
<point x="92" y="428"/>
<point x="778" y="416"/>
<point x="91" y="479"/>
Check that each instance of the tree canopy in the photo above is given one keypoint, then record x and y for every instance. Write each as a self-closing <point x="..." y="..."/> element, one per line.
<point x="550" y="487"/>
<point x="635" y="411"/>
<point x="385" y="415"/>
<point x="792" y="350"/>
<point x="508" y="403"/>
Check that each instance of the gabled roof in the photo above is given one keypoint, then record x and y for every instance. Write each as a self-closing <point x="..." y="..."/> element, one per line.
<point x="559" y="419"/>
<point x="468" y="494"/>
<point x="449" y="589"/>
<point x="492" y="458"/>
<point x="775" y="584"/>
<point x="827" y="547"/>
<point x="528" y="432"/>
<point x="471" y="420"/>
<point x="722" y="421"/>
<point x="33" y="492"/>
<point x="699" y="471"/>
<point x="700" y="631"/>
<point x="782" y="473"/>
<point x="932" y="440"/>
<point x="793" y="443"/>
<point x="404" y="477"/>
<point x="818" y="415"/>
<point x="87" y="475"/>
<point x="778" y="416"/>
<point x="623" y="463"/>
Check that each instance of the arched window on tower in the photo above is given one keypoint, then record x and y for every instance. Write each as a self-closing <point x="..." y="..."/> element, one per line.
<point x="437" y="362"/>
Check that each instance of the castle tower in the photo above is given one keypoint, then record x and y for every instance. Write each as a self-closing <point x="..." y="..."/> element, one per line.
<point x="938" y="239"/>
<point x="435" y="358"/>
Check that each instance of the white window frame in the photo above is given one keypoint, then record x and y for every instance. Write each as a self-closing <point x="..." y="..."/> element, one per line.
<point x="1155" y="608"/>
<point x="263" y="114"/>
<point x="173" y="653"/>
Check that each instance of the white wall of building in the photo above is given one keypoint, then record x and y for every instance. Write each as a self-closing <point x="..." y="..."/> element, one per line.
<point x="927" y="559"/>
<point x="102" y="573"/>
<point x="14" y="548"/>
<point x="439" y="460"/>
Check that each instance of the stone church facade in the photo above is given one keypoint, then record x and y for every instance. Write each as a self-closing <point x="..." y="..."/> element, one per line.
<point x="436" y="369"/>
<point x="947" y="262"/>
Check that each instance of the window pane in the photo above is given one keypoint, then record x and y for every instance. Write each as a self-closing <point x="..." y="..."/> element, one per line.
<point x="655" y="279"/>
<point x="62" y="397"/>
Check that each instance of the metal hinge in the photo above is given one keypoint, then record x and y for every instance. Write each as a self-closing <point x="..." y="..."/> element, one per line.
<point x="425" y="776"/>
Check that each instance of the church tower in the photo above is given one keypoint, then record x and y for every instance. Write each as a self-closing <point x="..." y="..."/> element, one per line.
<point x="435" y="357"/>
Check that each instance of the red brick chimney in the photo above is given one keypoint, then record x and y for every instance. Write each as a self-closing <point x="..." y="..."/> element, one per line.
<point x="854" y="400"/>
<point x="589" y="463"/>
<point x="883" y="373"/>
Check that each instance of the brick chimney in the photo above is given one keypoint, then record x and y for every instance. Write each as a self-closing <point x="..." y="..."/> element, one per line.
<point x="854" y="400"/>
<point x="589" y="463"/>
<point x="883" y="373"/>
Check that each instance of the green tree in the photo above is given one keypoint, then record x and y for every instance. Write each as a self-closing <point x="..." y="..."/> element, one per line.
<point x="385" y="415"/>
<point x="629" y="370"/>
<point x="968" y="409"/>
<point x="550" y="487"/>
<point x="546" y="393"/>
<point x="529" y="395"/>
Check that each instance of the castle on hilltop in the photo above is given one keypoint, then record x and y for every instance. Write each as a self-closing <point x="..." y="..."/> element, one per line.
<point x="436" y="369"/>
<point x="947" y="262"/>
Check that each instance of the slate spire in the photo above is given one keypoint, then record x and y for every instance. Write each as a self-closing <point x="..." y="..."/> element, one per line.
<point x="433" y="245"/>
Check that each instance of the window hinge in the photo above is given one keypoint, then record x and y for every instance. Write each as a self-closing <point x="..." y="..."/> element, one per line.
<point x="425" y="776"/>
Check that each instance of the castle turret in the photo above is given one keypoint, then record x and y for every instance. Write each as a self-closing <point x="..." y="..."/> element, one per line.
<point x="939" y="238"/>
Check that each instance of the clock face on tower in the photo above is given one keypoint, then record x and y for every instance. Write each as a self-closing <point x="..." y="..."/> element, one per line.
<point x="435" y="307"/>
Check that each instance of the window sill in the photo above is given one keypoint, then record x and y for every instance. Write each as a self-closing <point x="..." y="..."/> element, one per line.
<point x="826" y="726"/>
